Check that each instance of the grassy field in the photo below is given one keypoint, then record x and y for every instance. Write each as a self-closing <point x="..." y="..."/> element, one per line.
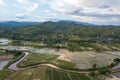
<point x="69" y="60"/>
<point x="47" y="73"/>
<point x="53" y="74"/>
<point x="3" y="53"/>
<point x="37" y="73"/>
<point x="37" y="58"/>
<point x="64" y="64"/>
<point x="46" y="58"/>
<point x="3" y="74"/>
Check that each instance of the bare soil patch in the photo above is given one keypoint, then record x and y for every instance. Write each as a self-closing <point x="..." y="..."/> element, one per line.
<point x="6" y="57"/>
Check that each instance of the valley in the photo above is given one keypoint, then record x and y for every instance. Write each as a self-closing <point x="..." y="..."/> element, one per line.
<point x="60" y="51"/>
<point x="48" y="63"/>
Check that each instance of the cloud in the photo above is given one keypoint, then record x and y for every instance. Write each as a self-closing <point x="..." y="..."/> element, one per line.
<point x="22" y="16"/>
<point x="32" y="8"/>
<point x="29" y="8"/>
<point x="92" y="9"/>
<point x="22" y="1"/>
<point x="81" y="10"/>
<point x="2" y="3"/>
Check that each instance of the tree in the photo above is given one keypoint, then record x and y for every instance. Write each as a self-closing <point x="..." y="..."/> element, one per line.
<point x="92" y="74"/>
<point x="95" y="66"/>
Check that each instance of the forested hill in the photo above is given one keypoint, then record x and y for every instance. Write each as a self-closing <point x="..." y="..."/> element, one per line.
<point x="61" y="31"/>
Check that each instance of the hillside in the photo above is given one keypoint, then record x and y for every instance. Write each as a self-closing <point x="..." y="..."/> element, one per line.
<point x="63" y="30"/>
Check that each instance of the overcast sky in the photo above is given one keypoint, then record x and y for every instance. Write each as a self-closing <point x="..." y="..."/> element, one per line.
<point x="91" y="11"/>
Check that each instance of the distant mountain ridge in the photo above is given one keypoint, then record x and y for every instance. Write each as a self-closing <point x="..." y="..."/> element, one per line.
<point x="37" y="31"/>
<point x="77" y="22"/>
<point x="23" y="23"/>
<point x="17" y="24"/>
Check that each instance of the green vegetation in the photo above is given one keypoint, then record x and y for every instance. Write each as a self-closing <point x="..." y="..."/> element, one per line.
<point x="53" y="74"/>
<point x="47" y="73"/>
<point x="4" y="74"/>
<point x="28" y="74"/>
<point x="64" y="64"/>
<point x="14" y="52"/>
<point x="37" y="59"/>
<point x="69" y="35"/>
<point x="3" y="53"/>
<point x="117" y="60"/>
<point x="104" y="71"/>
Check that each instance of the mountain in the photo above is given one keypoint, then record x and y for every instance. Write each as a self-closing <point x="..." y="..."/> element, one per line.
<point x="58" y="30"/>
<point x="77" y="22"/>
<point x="35" y="31"/>
<point x="17" y="24"/>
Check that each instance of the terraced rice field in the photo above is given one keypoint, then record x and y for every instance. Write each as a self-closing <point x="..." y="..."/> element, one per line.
<point x="46" y="73"/>
<point x="37" y="73"/>
<point x="82" y="60"/>
<point x="3" y="74"/>
<point x="52" y="74"/>
<point x="86" y="59"/>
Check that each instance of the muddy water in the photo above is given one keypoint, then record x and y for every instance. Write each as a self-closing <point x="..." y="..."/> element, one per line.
<point x="4" y="41"/>
<point x="14" y="65"/>
<point x="3" y="64"/>
<point x="31" y="49"/>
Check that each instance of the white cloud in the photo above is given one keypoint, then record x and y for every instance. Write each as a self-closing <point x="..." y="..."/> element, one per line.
<point x="88" y="9"/>
<point x="82" y="10"/>
<point x="32" y="8"/>
<point x="22" y="1"/>
<point x="2" y="3"/>
<point x="28" y="11"/>
<point x="29" y="7"/>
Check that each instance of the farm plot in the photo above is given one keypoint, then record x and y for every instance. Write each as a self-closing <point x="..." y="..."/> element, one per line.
<point x="3" y="74"/>
<point x="13" y="75"/>
<point x="53" y="74"/>
<point x="103" y="47"/>
<point x="37" y="73"/>
<point x="47" y="51"/>
<point x="86" y="59"/>
<point x="24" y="75"/>
<point x="6" y="57"/>
<point x="37" y="58"/>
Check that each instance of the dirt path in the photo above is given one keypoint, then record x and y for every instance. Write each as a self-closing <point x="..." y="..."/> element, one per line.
<point x="114" y="78"/>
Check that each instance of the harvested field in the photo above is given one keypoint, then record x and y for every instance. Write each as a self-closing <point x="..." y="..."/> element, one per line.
<point x="6" y="57"/>
<point x="86" y="59"/>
